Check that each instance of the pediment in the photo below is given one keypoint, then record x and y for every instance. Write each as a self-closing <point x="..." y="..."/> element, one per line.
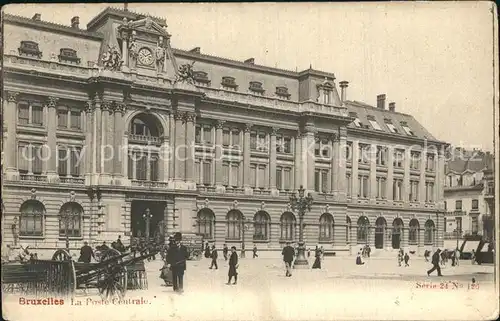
<point x="147" y="25"/>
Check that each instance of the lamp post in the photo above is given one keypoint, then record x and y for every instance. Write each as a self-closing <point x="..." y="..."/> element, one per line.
<point x="301" y="204"/>
<point x="66" y="216"/>
<point x="15" y="234"/>
<point x="147" y="218"/>
<point x="245" y="226"/>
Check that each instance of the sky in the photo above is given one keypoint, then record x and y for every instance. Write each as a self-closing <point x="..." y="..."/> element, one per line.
<point x="435" y="60"/>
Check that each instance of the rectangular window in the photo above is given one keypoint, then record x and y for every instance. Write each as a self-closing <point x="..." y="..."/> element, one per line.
<point x="207" y="135"/>
<point x="74" y="162"/>
<point x="316" y="180"/>
<point x="324" y="148"/>
<point x="62" y="167"/>
<point x="413" y="191"/>
<point x="407" y="129"/>
<point x="287" y="179"/>
<point x="374" y="124"/>
<point x="363" y="153"/>
<point x="141" y="166"/>
<point x="153" y="163"/>
<point x="475" y="225"/>
<point x="225" y="137"/>
<point x="383" y="187"/>
<point x="279" y="172"/>
<point x="234" y="174"/>
<point x="62" y="118"/>
<point x="458" y="205"/>
<point x="398" y="158"/>
<point x="37" y="159"/>
<point x="349" y="184"/>
<point x="262" y="176"/>
<point x="357" y="122"/>
<point x="253" y="175"/>
<point x="197" y="135"/>
<point x="279" y="144"/>
<point x="225" y="174"/>
<point x="253" y="140"/>
<point x="197" y="172"/>
<point x="392" y="128"/>
<point x="22" y="158"/>
<point x="475" y="204"/>
<point x="76" y="119"/>
<point x="415" y="160"/>
<point x="130" y="166"/>
<point x="348" y="152"/>
<point x="430" y="163"/>
<point x="324" y="181"/>
<point x="207" y="173"/>
<point x="287" y="143"/>
<point x="37" y="115"/>
<point x="261" y="142"/>
<point x="381" y="155"/>
<point x="235" y="138"/>
<point x="365" y="187"/>
<point x="23" y="114"/>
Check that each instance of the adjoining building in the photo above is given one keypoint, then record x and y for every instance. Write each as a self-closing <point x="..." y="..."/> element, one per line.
<point x="110" y="131"/>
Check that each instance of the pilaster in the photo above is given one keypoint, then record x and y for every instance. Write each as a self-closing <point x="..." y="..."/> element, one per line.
<point x="179" y="151"/>
<point x="421" y="184"/>
<point x="373" y="173"/>
<point x="10" y="112"/>
<point x="52" y="175"/>
<point x="189" y="143"/>
<point x="309" y="162"/>
<point x="246" y="160"/>
<point x="272" y="162"/>
<point x="89" y="142"/>
<point x="390" y="173"/>
<point x="406" y="177"/>
<point x="298" y="161"/>
<point x="120" y="154"/>
<point x="218" y="155"/>
<point x="354" y="170"/>
<point x="106" y="148"/>
<point x="340" y="150"/>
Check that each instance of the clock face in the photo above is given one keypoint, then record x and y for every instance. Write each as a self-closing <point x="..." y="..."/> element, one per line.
<point x="145" y="56"/>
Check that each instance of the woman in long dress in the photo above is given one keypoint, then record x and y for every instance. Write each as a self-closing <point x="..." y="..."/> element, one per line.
<point x="317" y="260"/>
<point x="207" y="251"/>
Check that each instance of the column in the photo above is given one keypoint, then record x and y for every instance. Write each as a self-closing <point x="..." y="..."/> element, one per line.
<point x="178" y="150"/>
<point x="171" y="155"/>
<point x="10" y="112"/>
<point x="390" y="173"/>
<point x="164" y="157"/>
<point x="341" y="165"/>
<point x="97" y="135"/>
<point x="297" y="149"/>
<point x="373" y="172"/>
<point x="148" y="162"/>
<point x="354" y="170"/>
<point x="52" y="175"/>
<point x="124" y="48"/>
<point x="189" y="142"/>
<point x="334" y="163"/>
<point x="272" y="160"/>
<point x="218" y="153"/>
<point x="246" y="159"/>
<point x="89" y="114"/>
<point x="308" y="143"/>
<point x="438" y="182"/>
<point x="421" y="184"/>
<point x="106" y="129"/>
<point x="406" y="177"/>
<point x="120" y="154"/>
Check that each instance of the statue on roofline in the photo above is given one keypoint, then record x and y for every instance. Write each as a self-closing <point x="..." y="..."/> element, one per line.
<point x="185" y="74"/>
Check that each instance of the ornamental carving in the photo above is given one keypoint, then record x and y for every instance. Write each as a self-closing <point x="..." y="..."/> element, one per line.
<point x="219" y="123"/>
<point x="52" y="102"/>
<point x="112" y="59"/>
<point x="107" y="105"/>
<point x="121" y="108"/>
<point x="248" y="127"/>
<point x="178" y="115"/>
<point x="133" y="51"/>
<point x="190" y="117"/>
<point x="185" y="74"/>
<point x="274" y="131"/>
<point x="89" y="107"/>
<point x="160" y="55"/>
<point x="12" y="96"/>
<point x="335" y="137"/>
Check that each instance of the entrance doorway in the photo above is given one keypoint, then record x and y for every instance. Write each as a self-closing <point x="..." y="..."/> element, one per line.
<point x="147" y="218"/>
<point x="380" y="226"/>
<point x="397" y="230"/>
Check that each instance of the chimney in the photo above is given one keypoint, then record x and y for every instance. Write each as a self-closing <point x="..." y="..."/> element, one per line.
<point x="381" y="101"/>
<point x="195" y="50"/>
<point x="250" y="61"/>
<point x="37" y="17"/>
<point x="392" y="106"/>
<point x="343" y="90"/>
<point x="75" y="22"/>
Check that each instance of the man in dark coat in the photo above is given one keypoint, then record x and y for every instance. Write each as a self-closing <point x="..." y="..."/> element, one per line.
<point x="435" y="263"/>
<point x="176" y="257"/>
<point x="233" y="266"/>
<point x="207" y="250"/>
<point x="255" y="251"/>
<point x="288" y="255"/>
<point x="86" y="253"/>
<point x="224" y="251"/>
<point x="214" y="256"/>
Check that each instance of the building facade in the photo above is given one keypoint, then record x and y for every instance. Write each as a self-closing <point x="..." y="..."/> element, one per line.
<point x="465" y="193"/>
<point x="110" y="131"/>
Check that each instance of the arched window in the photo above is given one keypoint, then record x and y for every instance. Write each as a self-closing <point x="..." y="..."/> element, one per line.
<point x="145" y="125"/>
<point x="413" y="232"/>
<point x="234" y="222"/>
<point x="32" y="218"/>
<point x="429" y="232"/>
<point x="326" y="227"/>
<point x="70" y="219"/>
<point x="206" y="220"/>
<point x="380" y="228"/>
<point x="287" y="223"/>
<point x="348" y="228"/>
<point x="261" y="226"/>
<point x="362" y="229"/>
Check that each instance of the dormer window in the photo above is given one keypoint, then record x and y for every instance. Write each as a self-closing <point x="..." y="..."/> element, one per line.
<point x="373" y="122"/>
<point x="256" y="87"/>
<point x="356" y="120"/>
<point x="30" y="48"/>
<point x="325" y="92"/>
<point x="390" y="125"/>
<point x="201" y="77"/>
<point x="68" y="55"/>
<point x="282" y="92"/>
<point x="229" y="83"/>
<point x="407" y="129"/>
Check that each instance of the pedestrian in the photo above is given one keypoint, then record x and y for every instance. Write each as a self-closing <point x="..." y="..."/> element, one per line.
<point x="119" y="245"/>
<point x="308" y="253"/>
<point x="427" y="253"/>
<point x="233" y="266"/>
<point x="214" y="258"/>
<point x="453" y="258"/>
<point x="359" y="261"/>
<point x="166" y="274"/>
<point x="86" y="253"/>
<point x="288" y="255"/>
<point x="317" y="260"/>
<point x="207" y="250"/>
<point x="473" y="257"/>
<point x="322" y="251"/>
<point x="224" y="251"/>
<point x="368" y="250"/>
<point x="457" y="257"/>
<point x="255" y="251"/>
<point x="407" y="258"/>
<point x="435" y="263"/>
<point x="176" y="257"/>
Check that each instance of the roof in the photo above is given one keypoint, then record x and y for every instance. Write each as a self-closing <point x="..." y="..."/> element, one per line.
<point x="469" y="161"/>
<point x="363" y="111"/>
<point x="124" y="14"/>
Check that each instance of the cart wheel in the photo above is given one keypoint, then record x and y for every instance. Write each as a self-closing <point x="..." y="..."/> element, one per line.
<point x="109" y="254"/>
<point x="61" y="255"/>
<point x="114" y="284"/>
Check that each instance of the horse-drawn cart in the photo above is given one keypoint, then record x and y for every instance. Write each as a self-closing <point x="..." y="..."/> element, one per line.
<point x="112" y="275"/>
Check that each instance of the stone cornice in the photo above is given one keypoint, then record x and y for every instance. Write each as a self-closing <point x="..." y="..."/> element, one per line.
<point x="395" y="137"/>
<point x="52" y="27"/>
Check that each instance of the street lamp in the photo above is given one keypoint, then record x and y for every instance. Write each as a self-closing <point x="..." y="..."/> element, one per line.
<point x="301" y="204"/>
<point x="66" y="216"/>
<point x="147" y="218"/>
<point x="15" y="234"/>
<point x="245" y="226"/>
